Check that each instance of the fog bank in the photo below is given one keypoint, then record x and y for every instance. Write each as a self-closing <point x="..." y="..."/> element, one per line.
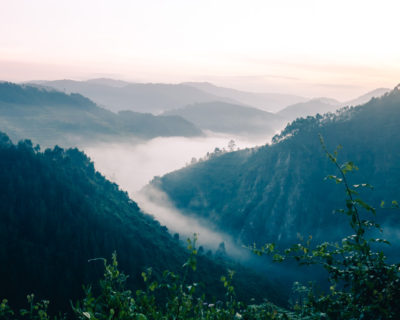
<point x="154" y="201"/>
<point x="133" y="165"/>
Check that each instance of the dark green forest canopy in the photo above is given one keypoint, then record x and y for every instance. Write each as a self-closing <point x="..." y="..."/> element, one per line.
<point x="277" y="192"/>
<point x="50" y="117"/>
<point x="57" y="212"/>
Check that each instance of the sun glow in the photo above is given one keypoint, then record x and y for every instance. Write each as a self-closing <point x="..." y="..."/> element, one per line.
<point x="312" y="48"/>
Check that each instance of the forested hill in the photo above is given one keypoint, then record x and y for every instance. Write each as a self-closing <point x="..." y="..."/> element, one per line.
<point x="275" y="192"/>
<point x="57" y="212"/>
<point x="50" y="117"/>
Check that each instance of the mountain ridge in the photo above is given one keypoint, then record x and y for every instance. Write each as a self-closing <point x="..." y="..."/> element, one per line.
<point x="274" y="192"/>
<point x="57" y="213"/>
<point x="229" y="118"/>
<point x="139" y="97"/>
<point x="270" y="102"/>
<point x="53" y="117"/>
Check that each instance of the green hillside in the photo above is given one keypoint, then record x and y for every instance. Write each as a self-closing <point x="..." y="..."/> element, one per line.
<point x="277" y="192"/>
<point x="57" y="212"/>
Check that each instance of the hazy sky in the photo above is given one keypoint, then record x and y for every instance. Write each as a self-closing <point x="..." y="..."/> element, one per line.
<point x="313" y="48"/>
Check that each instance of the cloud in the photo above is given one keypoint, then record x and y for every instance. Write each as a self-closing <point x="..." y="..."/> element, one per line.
<point x="154" y="201"/>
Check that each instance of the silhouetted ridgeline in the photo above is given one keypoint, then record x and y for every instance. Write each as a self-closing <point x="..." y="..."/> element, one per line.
<point x="56" y="212"/>
<point x="230" y="118"/>
<point x="325" y="105"/>
<point x="276" y="192"/>
<point x="267" y="101"/>
<point x="140" y="97"/>
<point x="51" y="117"/>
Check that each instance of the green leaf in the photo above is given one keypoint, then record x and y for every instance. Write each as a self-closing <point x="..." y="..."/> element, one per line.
<point x="365" y="205"/>
<point x="348" y="166"/>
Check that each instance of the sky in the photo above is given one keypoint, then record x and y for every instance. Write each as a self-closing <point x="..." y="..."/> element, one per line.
<point x="339" y="49"/>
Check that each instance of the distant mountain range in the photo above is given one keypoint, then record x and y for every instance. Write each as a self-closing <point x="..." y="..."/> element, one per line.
<point x="52" y="117"/>
<point x="229" y="118"/>
<point x="309" y="108"/>
<point x="324" y="105"/>
<point x="366" y="97"/>
<point x="275" y="192"/>
<point x="203" y="106"/>
<point x="117" y="95"/>
<point x="271" y="102"/>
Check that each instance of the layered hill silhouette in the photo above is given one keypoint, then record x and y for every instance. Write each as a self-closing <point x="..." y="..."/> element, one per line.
<point x="118" y="95"/>
<point x="309" y="108"/>
<point x="366" y="97"/>
<point x="270" y="102"/>
<point x="277" y="192"/>
<point x="50" y="117"/>
<point x="324" y="105"/>
<point x="229" y="118"/>
<point x="156" y="98"/>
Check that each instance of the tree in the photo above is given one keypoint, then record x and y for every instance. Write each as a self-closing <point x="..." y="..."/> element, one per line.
<point x="231" y="145"/>
<point x="363" y="285"/>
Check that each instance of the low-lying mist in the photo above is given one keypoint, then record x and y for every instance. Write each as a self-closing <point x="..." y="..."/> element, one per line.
<point x="133" y="165"/>
<point x="156" y="202"/>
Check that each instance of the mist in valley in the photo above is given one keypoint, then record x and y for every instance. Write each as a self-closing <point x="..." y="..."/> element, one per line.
<point x="133" y="165"/>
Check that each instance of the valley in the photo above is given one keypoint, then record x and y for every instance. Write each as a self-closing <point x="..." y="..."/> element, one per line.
<point x="199" y="160"/>
<point x="227" y="176"/>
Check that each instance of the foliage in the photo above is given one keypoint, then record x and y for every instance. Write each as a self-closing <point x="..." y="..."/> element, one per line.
<point x="173" y="297"/>
<point x="57" y="212"/>
<point x="35" y="311"/>
<point x="363" y="285"/>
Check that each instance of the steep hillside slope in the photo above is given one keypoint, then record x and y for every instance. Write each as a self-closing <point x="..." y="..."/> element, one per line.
<point x="276" y="192"/>
<point x="57" y="212"/>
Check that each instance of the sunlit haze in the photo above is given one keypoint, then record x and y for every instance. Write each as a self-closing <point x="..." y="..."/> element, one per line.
<point x="339" y="49"/>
